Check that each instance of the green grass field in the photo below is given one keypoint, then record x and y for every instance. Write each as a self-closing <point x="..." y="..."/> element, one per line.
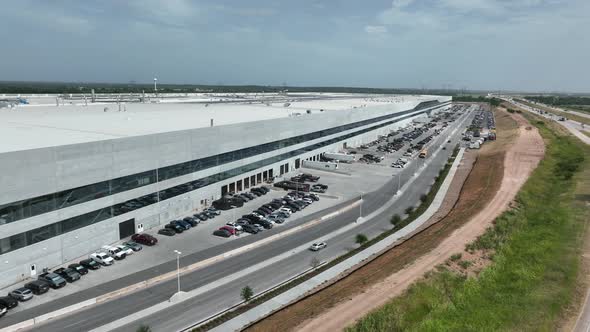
<point x="534" y="269"/>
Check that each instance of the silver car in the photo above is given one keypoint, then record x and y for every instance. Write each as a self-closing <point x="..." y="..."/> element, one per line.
<point x="22" y="294"/>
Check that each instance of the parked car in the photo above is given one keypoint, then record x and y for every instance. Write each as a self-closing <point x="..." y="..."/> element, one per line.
<point x="114" y="252"/>
<point x="167" y="231"/>
<point x="192" y="220"/>
<point x="250" y="195"/>
<point x="38" y="287"/>
<point x="54" y="280"/>
<point x="250" y="229"/>
<point x="234" y="226"/>
<point x="318" y="246"/>
<point x="201" y="216"/>
<point x="230" y="229"/>
<point x="143" y="238"/>
<point x="286" y="210"/>
<point x="133" y="245"/>
<point x="127" y="250"/>
<point x="222" y="233"/>
<point x="90" y="264"/>
<point x="186" y="226"/>
<point x="275" y="218"/>
<point x="260" y="227"/>
<point x="21" y="294"/>
<point x="213" y="210"/>
<point x="68" y="273"/>
<point x="174" y="227"/>
<point x="102" y="258"/>
<point x="79" y="268"/>
<point x="8" y="301"/>
<point x="282" y="214"/>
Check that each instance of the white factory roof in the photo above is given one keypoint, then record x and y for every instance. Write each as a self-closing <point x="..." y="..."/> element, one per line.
<point x="41" y="124"/>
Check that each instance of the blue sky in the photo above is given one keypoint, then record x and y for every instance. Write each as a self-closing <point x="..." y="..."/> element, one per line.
<point x="535" y="45"/>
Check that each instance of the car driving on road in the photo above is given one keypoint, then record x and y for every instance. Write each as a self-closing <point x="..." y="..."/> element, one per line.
<point x="318" y="246"/>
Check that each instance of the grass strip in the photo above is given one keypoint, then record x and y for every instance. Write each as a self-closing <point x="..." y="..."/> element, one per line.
<point x="533" y="275"/>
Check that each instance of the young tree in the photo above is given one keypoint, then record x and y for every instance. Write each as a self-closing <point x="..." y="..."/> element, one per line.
<point x="395" y="220"/>
<point x="246" y="293"/>
<point x="144" y="328"/>
<point x="361" y="239"/>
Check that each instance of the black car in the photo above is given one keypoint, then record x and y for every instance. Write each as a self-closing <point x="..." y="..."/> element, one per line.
<point x="264" y="224"/>
<point x="249" y="195"/>
<point x="166" y="231"/>
<point x="209" y="214"/>
<point x="185" y="225"/>
<point x="265" y="209"/>
<point x="258" y="191"/>
<point x="262" y="212"/>
<point x="201" y="216"/>
<point x="250" y="229"/>
<point x="79" y="268"/>
<point x="55" y="280"/>
<point x="69" y="274"/>
<point x="174" y="227"/>
<point x="90" y="264"/>
<point x="192" y="221"/>
<point x="8" y="301"/>
<point x="265" y="189"/>
<point x="255" y="192"/>
<point x="38" y="287"/>
<point x="294" y="207"/>
<point x="222" y="233"/>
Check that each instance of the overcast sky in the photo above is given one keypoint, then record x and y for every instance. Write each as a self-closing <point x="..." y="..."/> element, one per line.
<point x="477" y="44"/>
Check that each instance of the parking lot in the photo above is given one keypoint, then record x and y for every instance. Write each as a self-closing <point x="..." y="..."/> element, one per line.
<point x="352" y="180"/>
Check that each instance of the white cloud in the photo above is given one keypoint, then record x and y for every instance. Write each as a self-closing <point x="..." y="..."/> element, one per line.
<point x="375" y="29"/>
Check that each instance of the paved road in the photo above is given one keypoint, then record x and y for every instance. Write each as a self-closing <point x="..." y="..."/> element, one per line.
<point x="573" y="126"/>
<point x="216" y="299"/>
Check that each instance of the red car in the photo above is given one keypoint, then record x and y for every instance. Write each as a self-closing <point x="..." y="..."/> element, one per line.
<point x="146" y="239"/>
<point x="230" y="229"/>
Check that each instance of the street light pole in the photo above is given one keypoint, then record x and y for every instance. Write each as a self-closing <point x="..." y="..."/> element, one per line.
<point x="178" y="253"/>
<point x="360" y="209"/>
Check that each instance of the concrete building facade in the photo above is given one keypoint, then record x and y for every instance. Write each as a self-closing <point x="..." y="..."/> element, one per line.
<point x="60" y="202"/>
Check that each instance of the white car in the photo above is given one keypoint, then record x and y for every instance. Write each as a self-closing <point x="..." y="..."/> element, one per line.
<point x="235" y="226"/>
<point x="318" y="246"/>
<point x="114" y="252"/>
<point x="128" y="251"/>
<point x="102" y="258"/>
<point x="308" y="200"/>
<point x="285" y="210"/>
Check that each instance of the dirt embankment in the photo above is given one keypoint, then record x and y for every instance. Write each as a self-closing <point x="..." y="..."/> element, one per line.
<point x="342" y="303"/>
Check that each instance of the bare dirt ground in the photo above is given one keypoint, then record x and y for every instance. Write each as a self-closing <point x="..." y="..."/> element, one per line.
<point x="323" y="310"/>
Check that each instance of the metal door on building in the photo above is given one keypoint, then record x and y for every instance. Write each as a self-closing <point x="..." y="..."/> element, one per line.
<point x="126" y="228"/>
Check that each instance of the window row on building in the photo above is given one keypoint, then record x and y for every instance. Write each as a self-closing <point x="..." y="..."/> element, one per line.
<point x="45" y="232"/>
<point x="38" y="205"/>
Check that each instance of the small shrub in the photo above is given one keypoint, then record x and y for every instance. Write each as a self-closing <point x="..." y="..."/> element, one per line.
<point x="395" y="220"/>
<point x="144" y="328"/>
<point x="456" y="257"/>
<point x="409" y="209"/>
<point x="423" y="198"/>
<point x="246" y="293"/>
<point x="361" y="239"/>
<point x="465" y="264"/>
